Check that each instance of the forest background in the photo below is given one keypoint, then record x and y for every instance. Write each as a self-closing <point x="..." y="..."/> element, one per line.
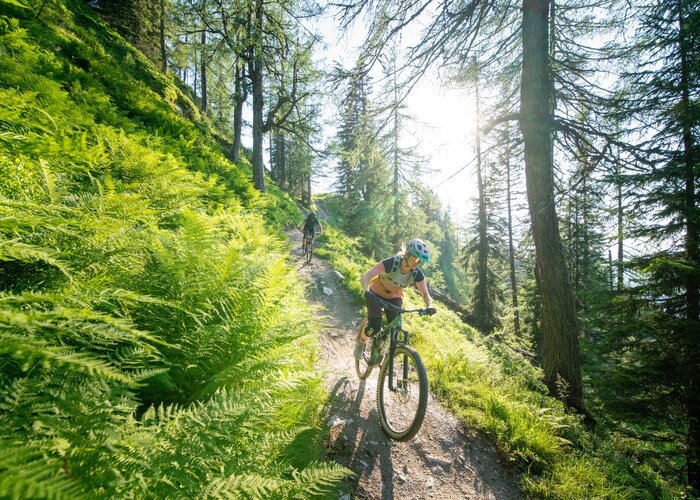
<point x="129" y="204"/>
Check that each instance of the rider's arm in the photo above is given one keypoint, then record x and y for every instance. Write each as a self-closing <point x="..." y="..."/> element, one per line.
<point x="422" y="286"/>
<point x="376" y="270"/>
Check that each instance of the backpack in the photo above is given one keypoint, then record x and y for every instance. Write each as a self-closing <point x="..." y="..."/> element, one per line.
<point x="395" y="267"/>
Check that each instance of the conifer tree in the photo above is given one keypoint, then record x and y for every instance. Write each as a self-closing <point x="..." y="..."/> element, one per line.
<point x="484" y="246"/>
<point x="663" y="98"/>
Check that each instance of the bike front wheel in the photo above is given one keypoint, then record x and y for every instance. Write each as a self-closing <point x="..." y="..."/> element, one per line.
<point x="402" y="409"/>
<point x="310" y="251"/>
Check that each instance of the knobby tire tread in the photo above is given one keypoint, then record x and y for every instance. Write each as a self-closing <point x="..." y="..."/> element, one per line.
<point x="413" y="429"/>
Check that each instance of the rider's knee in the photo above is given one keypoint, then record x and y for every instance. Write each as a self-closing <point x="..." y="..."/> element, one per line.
<point x="373" y="326"/>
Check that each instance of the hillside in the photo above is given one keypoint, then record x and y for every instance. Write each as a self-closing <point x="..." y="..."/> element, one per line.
<point x="154" y="342"/>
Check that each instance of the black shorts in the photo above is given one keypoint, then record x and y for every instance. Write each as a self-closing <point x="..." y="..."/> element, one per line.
<point x="374" y="313"/>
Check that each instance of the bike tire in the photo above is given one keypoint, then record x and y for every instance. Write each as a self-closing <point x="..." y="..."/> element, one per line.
<point x="401" y="412"/>
<point x="363" y="367"/>
<point x="310" y="251"/>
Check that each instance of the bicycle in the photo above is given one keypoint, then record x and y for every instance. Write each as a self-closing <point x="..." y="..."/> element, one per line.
<point x="402" y="387"/>
<point x="308" y="247"/>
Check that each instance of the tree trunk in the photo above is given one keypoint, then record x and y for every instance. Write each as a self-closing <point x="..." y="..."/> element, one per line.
<point x="560" y="326"/>
<point x="620" y="233"/>
<point x="163" y="54"/>
<point x="204" y="72"/>
<point x="308" y="191"/>
<point x="256" y="79"/>
<point x="511" y="250"/>
<point x="283" y="162"/>
<point x="692" y="241"/>
<point x="481" y="306"/>
<point x="238" y="113"/>
<point x="395" y="187"/>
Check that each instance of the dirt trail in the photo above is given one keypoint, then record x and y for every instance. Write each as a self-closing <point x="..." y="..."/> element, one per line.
<point x="443" y="461"/>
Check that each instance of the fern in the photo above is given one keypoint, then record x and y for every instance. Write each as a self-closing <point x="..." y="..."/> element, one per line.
<point x="15" y="250"/>
<point x="153" y="342"/>
<point x="25" y="472"/>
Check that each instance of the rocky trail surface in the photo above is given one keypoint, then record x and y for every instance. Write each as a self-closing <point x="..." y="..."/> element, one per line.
<point x="443" y="461"/>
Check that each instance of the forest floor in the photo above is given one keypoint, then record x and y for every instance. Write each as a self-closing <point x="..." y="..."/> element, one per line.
<point x="445" y="460"/>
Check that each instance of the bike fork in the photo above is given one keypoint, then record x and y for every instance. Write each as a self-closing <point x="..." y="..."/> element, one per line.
<point x="392" y="347"/>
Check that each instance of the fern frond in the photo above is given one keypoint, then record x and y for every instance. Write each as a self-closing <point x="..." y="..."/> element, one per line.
<point x="30" y="351"/>
<point x="246" y="486"/>
<point x="27" y="472"/>
<point x="319" y="478"/>
<point x="16" y="250"/>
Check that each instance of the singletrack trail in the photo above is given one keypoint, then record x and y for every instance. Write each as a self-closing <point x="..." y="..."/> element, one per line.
<point x="443" y="461"/>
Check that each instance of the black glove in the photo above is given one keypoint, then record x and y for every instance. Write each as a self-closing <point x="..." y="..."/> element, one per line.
<point x="431" y="311"/>
<point x="369" y="294"/>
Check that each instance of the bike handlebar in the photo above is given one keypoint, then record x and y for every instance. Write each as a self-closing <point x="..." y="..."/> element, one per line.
<point x="389" y="305"/>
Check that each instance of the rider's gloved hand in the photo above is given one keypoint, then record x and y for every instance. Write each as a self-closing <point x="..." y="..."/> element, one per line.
<point x="431" y="311"/>
<point x="369" y="294"/>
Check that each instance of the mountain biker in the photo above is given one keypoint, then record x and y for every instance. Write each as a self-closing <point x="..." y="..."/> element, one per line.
<point x="387" y="279"/>
<point x="308" y="227"/>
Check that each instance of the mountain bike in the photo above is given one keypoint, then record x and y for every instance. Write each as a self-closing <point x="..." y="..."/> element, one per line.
<point x="402" y="388"/>
<point x="308" y="247"/>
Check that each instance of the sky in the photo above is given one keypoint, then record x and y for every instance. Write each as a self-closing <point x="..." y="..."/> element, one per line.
<point x="445" y="131"/>
<point x="443" y="128"/>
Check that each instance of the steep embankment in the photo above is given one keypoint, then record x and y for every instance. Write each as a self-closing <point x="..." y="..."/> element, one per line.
<point x="445" y="460"/>
<point x="153" y="341"/>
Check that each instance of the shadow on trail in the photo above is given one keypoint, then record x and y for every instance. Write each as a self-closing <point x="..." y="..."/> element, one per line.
<point x="359" y="443"/>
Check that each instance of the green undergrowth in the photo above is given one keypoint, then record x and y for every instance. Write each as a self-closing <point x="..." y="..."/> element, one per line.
<point x="153" y="341"/>
<point x="499" y="394"/>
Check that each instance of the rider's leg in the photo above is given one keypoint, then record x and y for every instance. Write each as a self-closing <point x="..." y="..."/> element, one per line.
<point x="374" y="324"/>
<point x="397" y="302"/>
<point x="374" y="319"/>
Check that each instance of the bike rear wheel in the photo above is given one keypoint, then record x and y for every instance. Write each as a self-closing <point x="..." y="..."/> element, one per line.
<point x="402" y="410"/>
<point x="363" y="366"/>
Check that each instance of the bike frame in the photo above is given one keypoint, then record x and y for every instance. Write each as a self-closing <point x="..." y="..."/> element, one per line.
<point x="398" y="336"/>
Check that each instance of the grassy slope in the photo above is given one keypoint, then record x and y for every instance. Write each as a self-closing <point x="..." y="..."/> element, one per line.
<point x="153" y="341"/>
<point x="498" y="393"/>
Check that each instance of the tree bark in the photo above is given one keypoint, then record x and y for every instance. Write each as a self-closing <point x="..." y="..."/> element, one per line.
<point x="511" y="248"/>
<point x="395" y="145"/>
<point x="482" y="308"/>
<point x="692" y="242"/>
<point x="560" y="326"/>
<point x="163" y="53"/>
<point x="256" y="79"/>
<point x="620" y="230"/>
<point x="204" y="72"/>
<point x="238" y="113"/>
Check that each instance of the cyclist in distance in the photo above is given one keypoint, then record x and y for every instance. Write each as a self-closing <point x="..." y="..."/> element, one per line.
<point x="387" y="279"/>
<point x="308" y="227"/>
